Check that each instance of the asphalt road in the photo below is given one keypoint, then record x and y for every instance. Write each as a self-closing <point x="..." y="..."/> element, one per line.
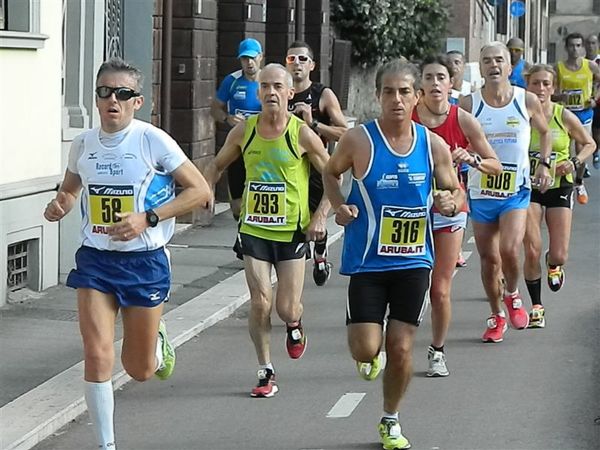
<point x="539" y="389"/>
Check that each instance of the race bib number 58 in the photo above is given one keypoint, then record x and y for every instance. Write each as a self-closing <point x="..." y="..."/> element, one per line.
<point x="402" y="231"/>
<point x="265" y="203"/>
<point x="106" y="201"/>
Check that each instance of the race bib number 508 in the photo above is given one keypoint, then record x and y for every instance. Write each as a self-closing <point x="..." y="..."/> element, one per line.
<point x="106" y="201"/>
<point x="402" y="231"/>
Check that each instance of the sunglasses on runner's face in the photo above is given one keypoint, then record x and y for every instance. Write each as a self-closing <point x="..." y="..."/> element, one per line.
<point x="122" y="93"/>
<point x="291" y="59"/>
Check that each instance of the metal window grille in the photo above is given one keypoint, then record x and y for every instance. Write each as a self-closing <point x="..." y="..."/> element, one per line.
<point x="17" y="265"/>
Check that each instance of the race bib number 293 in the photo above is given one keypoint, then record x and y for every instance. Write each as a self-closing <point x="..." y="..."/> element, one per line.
<point x="265" y="203"/>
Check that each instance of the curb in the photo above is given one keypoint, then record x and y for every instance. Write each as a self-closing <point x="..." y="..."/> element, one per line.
<point x="37" y="414"/>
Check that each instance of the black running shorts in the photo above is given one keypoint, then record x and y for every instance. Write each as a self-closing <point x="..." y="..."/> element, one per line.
<point x="271" y="251"/>
<point x="405" y="291"/>
<point x="236" y="178"/>
<point x="561" y="197"/>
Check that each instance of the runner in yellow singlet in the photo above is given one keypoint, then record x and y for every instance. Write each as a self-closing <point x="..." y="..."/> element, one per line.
<point x="575" y="79"/>
<point x="558" y="200"/>
<point x="275" y="222"/>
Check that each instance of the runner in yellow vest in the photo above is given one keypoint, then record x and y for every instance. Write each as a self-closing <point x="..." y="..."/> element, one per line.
<point x="575" y="79"/>
<point x="558" y="200"/>
<point x="275" y="222"/>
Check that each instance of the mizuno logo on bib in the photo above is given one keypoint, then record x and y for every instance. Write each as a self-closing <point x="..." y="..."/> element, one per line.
<point x="402" y="231"/>
<point x="105" y="201"/>
<point x="265" y="203"/>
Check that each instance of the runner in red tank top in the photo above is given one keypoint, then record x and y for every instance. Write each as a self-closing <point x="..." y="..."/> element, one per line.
<point x="461" y="131"/>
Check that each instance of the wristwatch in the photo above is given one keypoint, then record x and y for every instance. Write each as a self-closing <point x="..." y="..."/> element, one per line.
<point x="314" y="124"/>
<point x="545" y="162"/>
<point x="152" y="218"/>
<point x="576" y="162"/>
<point x="476" y="161"/>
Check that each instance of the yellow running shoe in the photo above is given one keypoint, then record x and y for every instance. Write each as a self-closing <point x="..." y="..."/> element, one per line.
<point x="168" y="353"/>
<point x="391" y="436"/>
<point x="370" y="370"/>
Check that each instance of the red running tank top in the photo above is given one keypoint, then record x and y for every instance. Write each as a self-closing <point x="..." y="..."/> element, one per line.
<point x="451" y="132"/>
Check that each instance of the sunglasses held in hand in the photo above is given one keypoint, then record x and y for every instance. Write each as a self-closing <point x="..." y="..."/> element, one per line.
<point x="122" y="93"/>
<point x="291" y="59"/>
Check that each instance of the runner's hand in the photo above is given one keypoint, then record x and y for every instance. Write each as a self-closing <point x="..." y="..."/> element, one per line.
<point x="303" y="110"/>
<point x="345" y="214"/>
<point x="57" y="208"/>
<point x="542" y="179"/>
<point x="461" y="155"/>
<point x="129" y="227"/>
<point x="234" y="120"/>
<point x="444" y="202"/>
<point x="316" y="228"/>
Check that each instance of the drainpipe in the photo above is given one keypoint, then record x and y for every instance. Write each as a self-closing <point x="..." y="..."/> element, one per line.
<point x="165" y="91"/>
<point x="299" y="30"/>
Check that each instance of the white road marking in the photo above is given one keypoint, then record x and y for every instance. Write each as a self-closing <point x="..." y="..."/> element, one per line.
<point x="471" y="240"/>
<point x="345" y="405"/>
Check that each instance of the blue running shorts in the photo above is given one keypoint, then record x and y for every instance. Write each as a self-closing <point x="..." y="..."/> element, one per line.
<point x="134" y="278"/>
<point x="490" y="210"/>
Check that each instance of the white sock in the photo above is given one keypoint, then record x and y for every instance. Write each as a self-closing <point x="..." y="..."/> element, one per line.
<point x="387" y="415"/>
<point x="159" y="355"/>
<point x="267" y="366"/>
<point x="101" y="405"/>
<point x="511" y="293"/>
<point x="501" y="314"/>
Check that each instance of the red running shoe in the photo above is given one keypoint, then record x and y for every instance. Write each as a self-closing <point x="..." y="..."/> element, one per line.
<point x="519" y="318"/>
<point x="266" y="387"/>
<point x="496" y="326"/>
<point x="295" y="341"/>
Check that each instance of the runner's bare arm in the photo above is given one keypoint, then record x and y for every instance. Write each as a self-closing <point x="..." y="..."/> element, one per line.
<point x="230" y="151"/>
<point x="330" y="104"/>
<point x="65" y="197"/>
<point x="350" y="146"/>
<point x="586" y="146"/>
<point x="318" y="156"/>
<point x="477" y="143"/>
<point x="538" y="121"/>
<point x="449" y="197"/>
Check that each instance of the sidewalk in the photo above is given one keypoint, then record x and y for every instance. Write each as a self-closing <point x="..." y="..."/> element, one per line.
<point x="41" y="375"/>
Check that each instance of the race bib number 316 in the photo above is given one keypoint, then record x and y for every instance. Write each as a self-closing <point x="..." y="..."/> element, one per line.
<point x="265" y="203"/>
<point x="106" y="202"/>
<point x="402" y="231"/>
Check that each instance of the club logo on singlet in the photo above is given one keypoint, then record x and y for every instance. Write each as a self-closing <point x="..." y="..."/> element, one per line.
<point x="105" y="202"/>
<point x="402" y="231"/>
<point x="265" y="203"/>
<point x="502" y="185"/>
<point x="534" y="161"/>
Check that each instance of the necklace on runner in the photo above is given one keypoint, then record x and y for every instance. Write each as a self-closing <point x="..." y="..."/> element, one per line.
<point x="445" y="113"/>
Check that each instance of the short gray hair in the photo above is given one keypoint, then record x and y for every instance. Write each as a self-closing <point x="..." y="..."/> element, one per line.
<point x="495" y="44"/>
<point x="288" y="77"/>
<point x="119" y="65"/>
<point x="398" y="66"/>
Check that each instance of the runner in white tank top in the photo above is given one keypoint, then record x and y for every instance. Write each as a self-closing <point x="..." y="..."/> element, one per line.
<point x="505" y="114"/>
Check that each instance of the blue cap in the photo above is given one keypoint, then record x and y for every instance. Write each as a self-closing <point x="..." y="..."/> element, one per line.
<point x="249" y="47"/>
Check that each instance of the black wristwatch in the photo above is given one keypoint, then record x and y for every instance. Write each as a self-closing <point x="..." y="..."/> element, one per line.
<point x="476" y="161"/>
<point x="152" y="218"/>
<point x="576" y="162"/>
<point x="545" y="162"/>
<point x="314" y="124"/>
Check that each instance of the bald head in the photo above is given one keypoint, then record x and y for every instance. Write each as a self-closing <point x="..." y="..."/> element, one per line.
<point x="516" y="48"/>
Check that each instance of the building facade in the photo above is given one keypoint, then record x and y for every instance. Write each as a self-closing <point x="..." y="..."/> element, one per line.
<point x="570" y="16"/>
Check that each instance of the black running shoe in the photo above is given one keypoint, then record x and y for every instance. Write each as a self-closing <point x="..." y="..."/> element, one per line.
<point x="321" y="270"/>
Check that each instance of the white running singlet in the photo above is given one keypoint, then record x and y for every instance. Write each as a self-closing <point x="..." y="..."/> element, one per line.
<point x="131" y="176"/>
<point x="508" y="131"/>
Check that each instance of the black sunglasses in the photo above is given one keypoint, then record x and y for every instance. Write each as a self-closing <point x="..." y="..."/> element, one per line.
<point x="122" y="93"/>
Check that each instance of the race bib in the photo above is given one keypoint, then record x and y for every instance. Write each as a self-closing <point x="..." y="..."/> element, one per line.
<point x="575" y="100"/>
<point x="502" y="185"/>
<point x="402" y="231"/>
<point x="105" y="202"/>
<point x="534" y="162"/>
<point x="265" y="203"/>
